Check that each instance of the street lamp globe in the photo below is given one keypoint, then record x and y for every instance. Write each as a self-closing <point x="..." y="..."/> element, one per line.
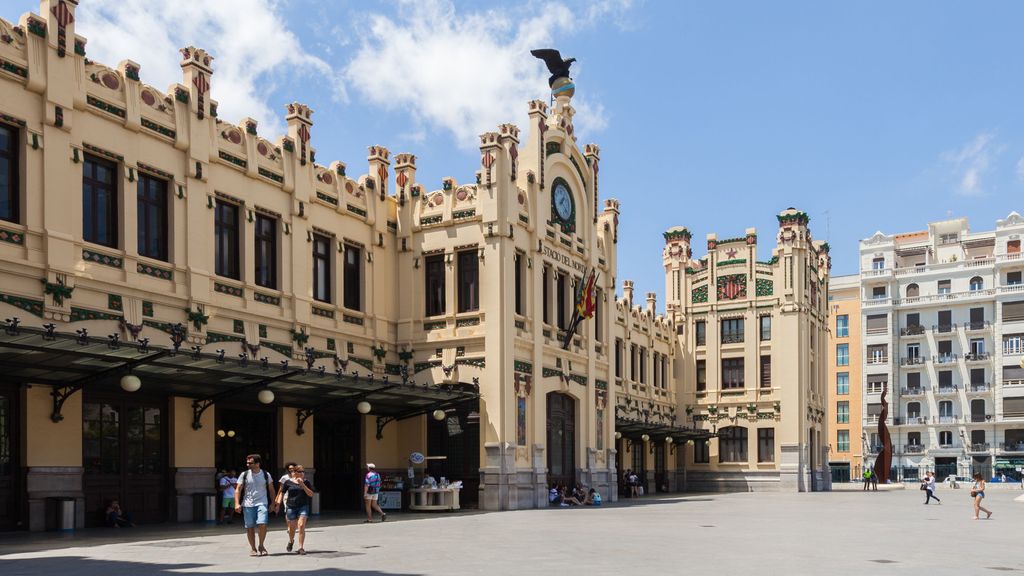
<point x="645" y="437"/>
<point x="363" y="407"/>
<point x="130" y="383"/>
<point x="266" y="396"/>
<point x="439" y="415"/>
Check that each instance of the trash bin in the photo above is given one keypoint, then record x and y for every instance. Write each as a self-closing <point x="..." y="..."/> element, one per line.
<point x="314" y="507"/>
<point x="204" y="508"/>
<point x="60" y="514"/>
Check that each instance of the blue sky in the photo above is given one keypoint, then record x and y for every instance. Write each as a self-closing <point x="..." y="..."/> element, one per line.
<point x="712" y="115"/>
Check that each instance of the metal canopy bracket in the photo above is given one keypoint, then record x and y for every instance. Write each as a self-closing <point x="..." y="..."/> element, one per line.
<point x="301" y="415"/>
<point x="200" y="405"/>
<point x="383" y="421"/>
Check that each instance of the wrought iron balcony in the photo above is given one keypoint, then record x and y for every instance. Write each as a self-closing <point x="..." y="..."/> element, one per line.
<point x="911" y="360"/>
<point x="945" y="390"/>
<point x="977" y="325"/>
<point x="943" y="328"/>
<point x="914" y="418"/>
<point x="979" y="447"/>
<point x="945" y="419"/>
<point x="1012" y="447"/>
<point x="945" y="358"/>
<point x="878" y="359"/>
<point x="981" y="417"/>
<point x="914" y="391"/>
<point x="913" y="330"/>
<point x="913" y="449"/>
<point x="979" y="387"/>
<point x="732" y="337"/>
<point x="977" y="357"/>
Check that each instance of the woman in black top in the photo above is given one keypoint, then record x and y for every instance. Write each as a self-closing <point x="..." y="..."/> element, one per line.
<point x="299" y="493"/>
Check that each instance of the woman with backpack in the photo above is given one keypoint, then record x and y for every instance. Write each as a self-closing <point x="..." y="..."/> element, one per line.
<point x="297" y="494"/>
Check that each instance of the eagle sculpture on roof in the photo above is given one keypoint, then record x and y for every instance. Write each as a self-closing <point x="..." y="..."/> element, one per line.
<point x="558" y="67"/>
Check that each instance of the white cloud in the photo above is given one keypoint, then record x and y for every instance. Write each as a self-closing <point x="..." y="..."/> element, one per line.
<point x="971" y="163"/>
<point x="466" y="72"/>
<point x="248" y="39"/>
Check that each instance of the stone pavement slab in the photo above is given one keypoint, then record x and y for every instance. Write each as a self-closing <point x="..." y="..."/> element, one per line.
<point x="886" y="532"/>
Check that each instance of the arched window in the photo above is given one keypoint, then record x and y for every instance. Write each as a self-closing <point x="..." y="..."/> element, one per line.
<point x="977" y="283"/>
<point x="732" y="444"/>
<point x="945" y="409"/>
<point x="913" y="291"/>
<point x="913" y="410"/>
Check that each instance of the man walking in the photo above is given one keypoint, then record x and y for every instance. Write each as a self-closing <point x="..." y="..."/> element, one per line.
<point x="371" y="491"/>
<point x="929" y="488"/>
<point x="253" y="499"/>
<point x="867" y="479"/>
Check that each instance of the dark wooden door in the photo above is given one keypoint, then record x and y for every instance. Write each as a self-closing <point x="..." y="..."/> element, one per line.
<point x="10" y="503"/>
<point x="125" y="458"/>
<point x="457" y="438"/>
<point x="241" y="432"/>
<point x="561" y="439"/>
<point x="336" y="457"/>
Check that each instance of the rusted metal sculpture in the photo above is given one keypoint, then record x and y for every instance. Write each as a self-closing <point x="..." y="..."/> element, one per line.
<point x="883" y="464"/>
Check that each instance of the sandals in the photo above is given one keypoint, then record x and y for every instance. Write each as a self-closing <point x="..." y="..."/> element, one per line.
<point x="367" y="521"/>
<point x="253" y="552"/>
<point x="263" y="551"/>
<point x="384" y="517"/>
<point x="302" y="551"/>
<point x="290" y="545"/>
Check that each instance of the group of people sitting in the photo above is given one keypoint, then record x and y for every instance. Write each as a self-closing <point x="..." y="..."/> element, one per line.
<point x="561" y="495"/>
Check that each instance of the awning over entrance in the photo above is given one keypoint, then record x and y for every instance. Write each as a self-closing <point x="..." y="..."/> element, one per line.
<point x="70" y="362"/>
<point x="630" y="428"/>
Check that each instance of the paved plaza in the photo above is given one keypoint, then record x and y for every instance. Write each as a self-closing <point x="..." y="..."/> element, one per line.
<point x="887" y="532"/>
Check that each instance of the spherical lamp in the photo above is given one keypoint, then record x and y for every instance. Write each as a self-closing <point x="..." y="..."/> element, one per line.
<point x="669" y="440"/>
<point x="439" y="415"/>
<point x="231" y="433"/>
<point x="645" y="437"/>
<point x="618" y="435"/>
<point x="220" y="433"/>
<point x="130" y="383"/>
<point x="266" y="396"/>
<point x="363" y="407"/>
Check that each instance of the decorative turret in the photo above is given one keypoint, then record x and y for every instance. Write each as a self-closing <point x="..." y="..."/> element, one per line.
<point x="405" y="170"/>
<point x="300" y="120"/>
<point x="509" y="139"/>
<point x="652" y="302"/>
<point x="379" y="163"/>
<point x="197" y="71"/>
<point x="793" y="227"/>
<point x="627" y="292"/>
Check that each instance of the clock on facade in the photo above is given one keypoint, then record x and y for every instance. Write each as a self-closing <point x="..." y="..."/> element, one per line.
<point x="562" y="207"/>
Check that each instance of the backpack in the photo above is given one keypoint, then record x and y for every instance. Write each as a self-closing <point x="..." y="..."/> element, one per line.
<point x="245" y="478"/>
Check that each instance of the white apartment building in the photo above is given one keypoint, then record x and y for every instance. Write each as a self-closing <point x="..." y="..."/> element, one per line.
<point x="943" y="331"/>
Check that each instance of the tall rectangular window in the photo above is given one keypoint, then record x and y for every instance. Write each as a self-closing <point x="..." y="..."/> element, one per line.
<point x="265" y="244"/>
<point x="226" y="237"/>
<point x="842" y="383"/>
<point x="10" y="209"/>
<point x="842" y="354"/>
<point x="766" y="328"/>
<point x="598" y="304"/>
<point x="732" y="373"/>
<point x="152" y="217"/>
<point x="766" y="371"/>
<point x="732" y="330"/>
<point x="700" y="331"/>
<point x="632" y="362"/>
<point x="321" y="268"/>
<point x="618" y="357"/>
<point x="842" y="325"/>
<point x="702" y="375"/>
<point x="99" y="201"/>
<point x="545" y="291"/>
<point x="843" y="441"/>
<point x="469" y="281"/>
<point x="517" y="263"/>
<point x="843" y="412"/>
<point x="435" y="283"/>
<point x="643" y="365"/>
<point x="732" y="444"/>
<point x="700" y="452"/>
<point x="353" y="276"/>
<point x="562" y="299"/>
<point x="656" y="365"/>
<point x="766" y="444"/>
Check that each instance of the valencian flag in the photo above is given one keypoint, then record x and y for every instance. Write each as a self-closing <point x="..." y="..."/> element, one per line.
<point x="586" y="304"/>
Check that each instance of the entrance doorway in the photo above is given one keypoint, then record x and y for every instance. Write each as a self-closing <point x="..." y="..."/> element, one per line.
<point x="561" y="439"/>
<point x="124" y="454"/>
<point x="10" y="503"/>
<point x="458" y="438"/>
<point x="840" y="472"/>
<point x="245" y="432"/>
<point x="337" y="459"/>
<point x="944" y="467"/>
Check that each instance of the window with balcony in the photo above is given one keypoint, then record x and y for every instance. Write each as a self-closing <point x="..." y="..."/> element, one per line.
<point x="977" y="316"/>
<point x="873" y="411"/>
<point x="732" y="373"/>
<point x="876" y="382"/>
<point x="913" y="325"/>
<point x="878" y="354"/>
<point x="913" y="291"/>
<point x="878" y="263"/>
<point x="842" y="441"/>
<point x="1013" y="246"/>
<point x="913" y="411"/>
<point x="702" y="375"/>
<point x="1013" y="344"/>
<point x="978" y="349"/>
<point x="10" y="188"/>
<point x="766" y="444"/>
<point x="914" y="383"/>
<point x="914" y="438"/>
<point x="842" y="383"/>
<point x="226" y="238"/>
<point x="913" y="353"/>
<point x="700" y="332"/>
<point x="353" y="277"/>
<point x="322" y="268"/>
<point x="945" y="409"/>
<point x="945" y="349"/>
<point x="878" y="292"/>
<point x="977" y="283"/>
<point x="469" y="281"/>
<point x="945" y="380"/>
<point x="842" y="354"/>
<point x="945" y="321"/>
<point x="152" y="217"/>
<point x="842" y="412"/>
<point x="732" y="330"/>
<point x="766" y="328"/>
<point x="978" y="410"/>
<point x="978" y="440"/>
<point x="1013" y="278"/>
<point x="950" y="238"/>
<point x="842" y="325"/>
<point x="766" y="371"/>
<point x="945" y="438"/>
<point x="944" y="286"/>
<point x="265" y="250"/>
<point x="434" y="282"/>
<point x="99" y="201"/>
<point x="978" y="378"/>
<point x="732" y="444"/>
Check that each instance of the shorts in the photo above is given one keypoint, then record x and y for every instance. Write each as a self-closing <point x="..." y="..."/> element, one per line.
<point x="254" y="515"/>
<point x="293" y="514"/>
<point x="369" y="496"/>
<point x="227" y="502"/>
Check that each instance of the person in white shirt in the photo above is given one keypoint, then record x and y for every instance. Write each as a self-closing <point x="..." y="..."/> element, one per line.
<point x="253" y="499"/>
<point x="227" y="504"/>
<point x="929" y="488"/>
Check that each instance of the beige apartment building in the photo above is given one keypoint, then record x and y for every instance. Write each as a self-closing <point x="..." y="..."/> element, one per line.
<point x="180" y="290"/>
<point x="846" y="443"/>
<point x="751" y="337"/>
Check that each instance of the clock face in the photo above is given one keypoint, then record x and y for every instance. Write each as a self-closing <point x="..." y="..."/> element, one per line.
<point x="563" y="201"/>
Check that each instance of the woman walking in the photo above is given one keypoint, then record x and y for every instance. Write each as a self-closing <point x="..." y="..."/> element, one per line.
<point x="978" y="493"/>
<point x="298" y="493"/>
<point x="929" y="486"/>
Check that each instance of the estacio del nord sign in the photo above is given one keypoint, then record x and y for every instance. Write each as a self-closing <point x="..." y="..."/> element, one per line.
<point x="564" y="259"/>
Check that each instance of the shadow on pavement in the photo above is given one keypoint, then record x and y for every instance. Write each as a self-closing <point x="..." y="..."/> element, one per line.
<point x="88" y="566"/>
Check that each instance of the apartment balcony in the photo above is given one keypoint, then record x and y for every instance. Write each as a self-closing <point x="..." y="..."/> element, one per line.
<point x="1013" y="348"/>
<point x="878" y="360"/>
<point x="1010" y="383"/>
<point x="876" y="449"/>
<point x="945" y="419"/>
<point x="915" y="330"/>
<point x="980" y="418"/>
<point x="1009" y="257"/>
<point x="943" y="328"/>
<point x="876" y="273"/>
<point x="913" y="449"/>
<point x="954" y="446"/>
<point x="876" y="302"/>
<point x="947" y="297"/>
<point x="979" y="388"/>
<point x="914" y="419"/>
<point x="732" y="338"/>
<point x="1015" y="448"/>
<point x="945" y="358"/>
<point x="913" y="391"/>
<point x="945" y="390"/>
<point x="1011" y="289"/>
<point x="911" y="360"/>
<point x="974" y="357"/>
<point x="979" y="448"/>
<point x="978" y="326"/>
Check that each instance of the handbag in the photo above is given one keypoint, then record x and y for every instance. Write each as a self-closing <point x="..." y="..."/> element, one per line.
<point x="923" y="487"/>
<point x="974" y="493"/>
